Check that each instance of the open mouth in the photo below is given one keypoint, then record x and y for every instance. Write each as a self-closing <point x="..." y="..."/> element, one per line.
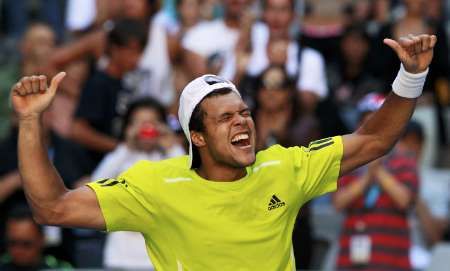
<point x="241" y="140"/>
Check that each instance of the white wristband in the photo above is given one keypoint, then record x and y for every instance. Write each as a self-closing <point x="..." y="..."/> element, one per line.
<point x="409" y="85"/>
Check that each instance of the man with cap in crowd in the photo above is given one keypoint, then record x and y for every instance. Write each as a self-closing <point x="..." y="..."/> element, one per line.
<point x="223" y="206"/>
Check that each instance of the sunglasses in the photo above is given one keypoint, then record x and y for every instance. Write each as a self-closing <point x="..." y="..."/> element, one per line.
<point x="20" y="243"/>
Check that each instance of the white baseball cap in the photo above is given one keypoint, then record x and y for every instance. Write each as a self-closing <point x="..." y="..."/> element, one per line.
<point x="193" y="94"/>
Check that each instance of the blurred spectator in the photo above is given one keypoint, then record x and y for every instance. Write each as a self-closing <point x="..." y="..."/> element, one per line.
<point x="11" y="192"/>
<point x="376" y="200"/>
<point x="146" y="137"/>
<point x="153" y="76"/>
<point x="25" y="244"/>
<point x="35" y="46"/>
<point x="279" y="117"/>
<point x="188" y="14"/>
<point x="351" y="77"/>
<point x="208" y="43"/>
<point x="323" y="24"/>
<point x="279" y="120"/>
<point x="271" y="43"/>
<point x="104" y="97"/>
<point x="18" y="15"/>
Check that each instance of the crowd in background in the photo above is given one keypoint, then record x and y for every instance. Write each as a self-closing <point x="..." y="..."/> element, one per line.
<point x="308" y="70"/>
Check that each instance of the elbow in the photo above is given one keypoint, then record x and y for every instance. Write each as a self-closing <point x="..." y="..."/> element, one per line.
<point x="338" y="204"/>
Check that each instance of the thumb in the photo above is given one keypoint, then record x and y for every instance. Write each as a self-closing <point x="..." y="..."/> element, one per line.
<point x="56" y="80"/>
<point x="394" y="45"/>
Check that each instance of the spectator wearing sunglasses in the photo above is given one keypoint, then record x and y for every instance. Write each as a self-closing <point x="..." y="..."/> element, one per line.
<point x="279" y="119"/>
<point x="25" y="244"/>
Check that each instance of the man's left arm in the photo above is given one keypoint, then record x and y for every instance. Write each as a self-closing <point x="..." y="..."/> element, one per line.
<point x="378" y="134"/>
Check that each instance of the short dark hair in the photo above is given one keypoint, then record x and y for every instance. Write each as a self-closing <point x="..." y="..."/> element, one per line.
<point x="264" y="4"/>
<point x="415" y="128"/>
<point x="124" y="31"/>
<point x="148" y="103"/>
<point x="22" y="212"/>
<point x="196" y="123"/>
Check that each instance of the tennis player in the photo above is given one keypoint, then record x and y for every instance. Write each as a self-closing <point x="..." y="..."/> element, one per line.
<point x="222" y="207"/>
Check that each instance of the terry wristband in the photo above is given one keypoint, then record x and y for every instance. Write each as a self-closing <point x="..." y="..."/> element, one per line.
<point x="409" y="85"/>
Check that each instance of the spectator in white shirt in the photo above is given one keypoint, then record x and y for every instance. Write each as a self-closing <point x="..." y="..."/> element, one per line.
<point x="146" y="137"/>
<point x="208" y="43"/>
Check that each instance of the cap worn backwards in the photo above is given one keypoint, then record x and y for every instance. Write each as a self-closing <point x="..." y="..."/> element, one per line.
<point x="193" y="94"/>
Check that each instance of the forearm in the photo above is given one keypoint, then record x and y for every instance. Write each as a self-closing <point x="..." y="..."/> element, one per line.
<point x="433" y="227"/>
<point x="9" y="183"/>
<point x="84" y="134"/>
<point x="398" y="192"/>
<point x="345" y="196"/>
<point x="88" y="45"/>
<point x="42" y="184"/>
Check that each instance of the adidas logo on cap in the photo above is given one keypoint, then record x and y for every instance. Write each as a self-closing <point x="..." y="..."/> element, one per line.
<point x="275" y="202"/>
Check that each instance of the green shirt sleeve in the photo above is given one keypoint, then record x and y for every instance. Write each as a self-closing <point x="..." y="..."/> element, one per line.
<point x="124" y="204"/>
<point x="317" y="167"/>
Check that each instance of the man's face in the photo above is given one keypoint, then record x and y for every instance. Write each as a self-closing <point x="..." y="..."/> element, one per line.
<point x="24" y="242"/>
<point x="128" y="56"/>
<point x="278" y="15"/>
<point x="136" y="9"/>
<point x="229" y="134"/>
<point x="235" y="8"/>
<point x="143" y="131"/>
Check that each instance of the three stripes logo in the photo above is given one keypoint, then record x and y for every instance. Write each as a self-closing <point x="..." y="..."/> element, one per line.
<point x="319" y="144"/>
<point x="112" y="182"/>
<point x="275" y="202"/>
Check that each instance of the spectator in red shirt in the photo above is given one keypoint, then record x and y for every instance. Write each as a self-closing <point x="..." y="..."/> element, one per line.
<point x="376" y="200"/>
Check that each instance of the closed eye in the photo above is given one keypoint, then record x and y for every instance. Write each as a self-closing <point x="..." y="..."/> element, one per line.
<point x="225" y="117"/>
<point x="245" y="112"/>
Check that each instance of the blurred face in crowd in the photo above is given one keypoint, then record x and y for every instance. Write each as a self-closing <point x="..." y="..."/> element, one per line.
<point x="235" y="8"/>
<point x="128" y="56"/>
<point x="189" y="12"/>
<point x="273" y="96"/>
<point x="228" y="138"/>
<point x="144" y="129"/>
<point x="273" y="99"/>
<point x="38" y="43"/>
<point x="24" y="242"/>
<point x="414" y="143"/>
<point x="136" y="9"/>
<point x="354" y="47"/>
<point x="415" y="7"/>
<point x="278" y="15"/>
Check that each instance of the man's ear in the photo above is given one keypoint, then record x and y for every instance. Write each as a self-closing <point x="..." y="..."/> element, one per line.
<point x="197" y="139"/>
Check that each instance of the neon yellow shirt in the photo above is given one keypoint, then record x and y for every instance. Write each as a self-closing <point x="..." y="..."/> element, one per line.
<point x="190" y="223"/>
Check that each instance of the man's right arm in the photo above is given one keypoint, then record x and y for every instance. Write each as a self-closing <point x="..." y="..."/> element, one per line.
<point x="52" y="203"/>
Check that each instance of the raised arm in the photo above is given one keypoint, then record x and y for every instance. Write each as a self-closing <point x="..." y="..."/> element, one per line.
<point x="51" y="202"/>
<point x="378" y="135"/>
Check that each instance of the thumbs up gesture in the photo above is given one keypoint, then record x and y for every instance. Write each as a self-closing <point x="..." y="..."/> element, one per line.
<point x="415" y="52"/>
<point x="30" y="96"/>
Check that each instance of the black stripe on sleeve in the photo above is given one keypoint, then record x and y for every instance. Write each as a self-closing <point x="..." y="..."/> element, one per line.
<point x="321" y="146"/>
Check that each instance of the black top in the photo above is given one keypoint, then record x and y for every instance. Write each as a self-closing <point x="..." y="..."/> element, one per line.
<point x="102" y="100"/>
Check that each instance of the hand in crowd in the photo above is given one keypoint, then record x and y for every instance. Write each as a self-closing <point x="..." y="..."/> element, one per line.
<point x="415" y="52"/>
<point x="31" y="96"/>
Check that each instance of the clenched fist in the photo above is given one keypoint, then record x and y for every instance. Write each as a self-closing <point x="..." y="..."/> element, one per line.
<point x="31" y="96"/>
<point x="415" y="52"/>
